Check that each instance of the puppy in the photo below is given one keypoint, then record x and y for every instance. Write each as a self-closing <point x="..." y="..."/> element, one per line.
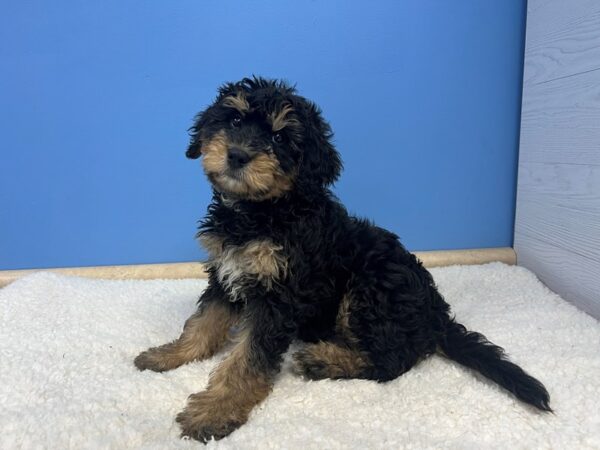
<point x="287" y="261"/>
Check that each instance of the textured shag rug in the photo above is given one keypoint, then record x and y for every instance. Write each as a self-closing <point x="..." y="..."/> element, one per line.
<point x="67" y="380"/>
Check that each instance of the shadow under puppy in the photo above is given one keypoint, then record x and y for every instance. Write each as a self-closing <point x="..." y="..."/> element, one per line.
<point x="287" y="261"/>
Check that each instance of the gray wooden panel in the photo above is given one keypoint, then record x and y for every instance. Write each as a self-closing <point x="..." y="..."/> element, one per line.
<point x="564" y="272"/>
<point x="560" y="120"/>
<point x="557" y="228"/>
<point x="562" y="39"/>
<point x="561" y="185"/>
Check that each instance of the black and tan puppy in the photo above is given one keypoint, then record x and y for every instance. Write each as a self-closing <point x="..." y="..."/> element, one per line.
<point x="286" y="261"/>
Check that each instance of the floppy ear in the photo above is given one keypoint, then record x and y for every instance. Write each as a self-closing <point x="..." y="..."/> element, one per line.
<point x="321" y="163"/>
<point x="193" y="150"/>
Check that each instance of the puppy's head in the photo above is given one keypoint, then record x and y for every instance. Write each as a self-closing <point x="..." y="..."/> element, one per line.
<point x="260" y="140"/>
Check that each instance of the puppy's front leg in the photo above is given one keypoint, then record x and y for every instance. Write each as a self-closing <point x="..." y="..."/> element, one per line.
<point x="204" y="333"/>
<point x="242" y="380"/>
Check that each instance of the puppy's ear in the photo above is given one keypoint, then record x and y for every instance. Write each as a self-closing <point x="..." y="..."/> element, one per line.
<point x="321" y="163"/>
<point x="194" y="148"/>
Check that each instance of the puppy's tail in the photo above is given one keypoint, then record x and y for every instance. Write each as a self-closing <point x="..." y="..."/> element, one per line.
<point x="473" y="350"/>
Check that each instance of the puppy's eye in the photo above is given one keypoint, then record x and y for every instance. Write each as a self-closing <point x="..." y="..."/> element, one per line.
<point x="277" y="138"/>
<point x="236" y="121"/>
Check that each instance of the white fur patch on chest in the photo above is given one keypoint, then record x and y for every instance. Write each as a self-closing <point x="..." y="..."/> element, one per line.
<point x="258" y="260"/>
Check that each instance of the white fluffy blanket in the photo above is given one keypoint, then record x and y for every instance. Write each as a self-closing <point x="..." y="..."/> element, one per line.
<point x="67" y="380"/>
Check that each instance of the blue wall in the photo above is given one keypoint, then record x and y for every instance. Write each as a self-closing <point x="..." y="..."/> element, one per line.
<point x="424" y="97"/>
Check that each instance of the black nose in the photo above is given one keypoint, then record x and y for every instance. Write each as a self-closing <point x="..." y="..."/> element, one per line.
<point x="237" y="158"/>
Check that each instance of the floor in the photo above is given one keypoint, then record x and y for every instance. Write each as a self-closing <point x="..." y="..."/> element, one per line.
<point x="67" y="378"/>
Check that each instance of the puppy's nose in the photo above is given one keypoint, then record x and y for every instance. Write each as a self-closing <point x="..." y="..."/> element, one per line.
<point x="237" y="158"/>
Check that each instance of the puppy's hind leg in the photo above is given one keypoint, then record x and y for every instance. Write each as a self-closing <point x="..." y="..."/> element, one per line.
<point x="204" y="333"/>
<point x="337" y="358"/>
<point x="329" y="359"/>
<point x="374" y="338"/>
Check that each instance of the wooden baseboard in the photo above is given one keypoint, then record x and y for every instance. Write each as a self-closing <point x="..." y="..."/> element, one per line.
<point x="176" y="271"/>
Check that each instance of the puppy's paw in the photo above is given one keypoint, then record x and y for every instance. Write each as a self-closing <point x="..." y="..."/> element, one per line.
<point x="206" y="417"/>
<point x="156" y="359"/>
<point x="306" y="364"/>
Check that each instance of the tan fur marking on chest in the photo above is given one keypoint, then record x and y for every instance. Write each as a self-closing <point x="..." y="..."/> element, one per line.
<point x="212" y="243"/>
<point x="262" y="259"/>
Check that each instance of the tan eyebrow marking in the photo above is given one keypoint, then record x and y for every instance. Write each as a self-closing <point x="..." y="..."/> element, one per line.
<point x="238" y="102"/>
<point x="279" y="120"/>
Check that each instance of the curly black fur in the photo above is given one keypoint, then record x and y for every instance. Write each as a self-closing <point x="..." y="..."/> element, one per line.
<point x="345" y="281"/>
